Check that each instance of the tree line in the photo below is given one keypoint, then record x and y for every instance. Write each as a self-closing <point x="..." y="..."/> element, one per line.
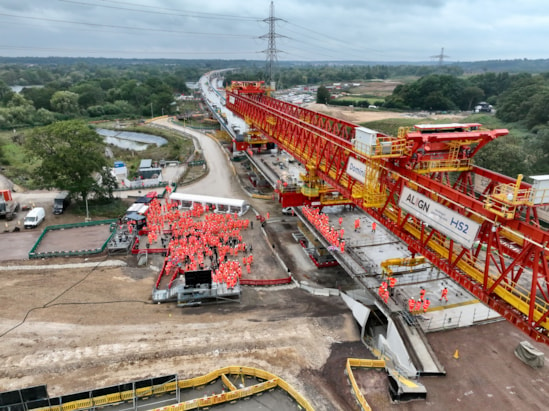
<point x="520" y="102"/>
<point x="112" y="88"/>
<point x="79" y="91"/>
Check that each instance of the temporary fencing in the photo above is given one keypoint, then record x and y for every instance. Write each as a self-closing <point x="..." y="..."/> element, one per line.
<point x="33" y="253"/>
<point x="267" y="381"/>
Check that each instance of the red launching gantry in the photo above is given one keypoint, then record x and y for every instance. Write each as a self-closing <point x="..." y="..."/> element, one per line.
<point x="479" y="227"/>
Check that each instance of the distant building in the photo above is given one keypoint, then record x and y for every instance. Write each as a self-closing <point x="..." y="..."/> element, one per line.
<point x="120" y="171"/>
<point x="146" y="169"/>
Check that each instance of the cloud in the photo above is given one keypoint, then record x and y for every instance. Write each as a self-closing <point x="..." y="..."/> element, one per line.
<point x="389" y="30"/>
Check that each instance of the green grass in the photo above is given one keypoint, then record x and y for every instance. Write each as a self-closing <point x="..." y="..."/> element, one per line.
<point x="17" y="164"/>
<point x="113" y="208"/>
<point x="19" y="167"/>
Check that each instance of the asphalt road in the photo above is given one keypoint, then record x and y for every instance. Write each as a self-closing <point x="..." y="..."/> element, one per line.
<point x="220" y="179"/>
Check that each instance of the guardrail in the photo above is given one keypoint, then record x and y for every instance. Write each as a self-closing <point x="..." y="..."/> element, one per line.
<point x="269" y="382"/>
<point x="278" y="281"/>
<point x="355" y="362"/>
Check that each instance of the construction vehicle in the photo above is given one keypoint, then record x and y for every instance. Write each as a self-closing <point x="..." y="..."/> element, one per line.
<point x="8" y="207"/>
<point x="61" y="202"/>
<point x="479" y="227"/>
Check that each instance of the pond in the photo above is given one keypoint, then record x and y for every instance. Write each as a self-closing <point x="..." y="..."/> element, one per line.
<point x="130" y="140"/>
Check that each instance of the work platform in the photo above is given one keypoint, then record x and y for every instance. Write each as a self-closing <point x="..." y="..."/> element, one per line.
<point x="199" y="294"/>
<point x="364" y="252"/>
<point x="405" y="183"/>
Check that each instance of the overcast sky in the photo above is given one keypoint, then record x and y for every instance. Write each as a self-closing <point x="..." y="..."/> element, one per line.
<point x="309" y="30"/>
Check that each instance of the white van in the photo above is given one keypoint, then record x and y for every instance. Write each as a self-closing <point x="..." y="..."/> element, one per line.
<point x="34" y="217"/>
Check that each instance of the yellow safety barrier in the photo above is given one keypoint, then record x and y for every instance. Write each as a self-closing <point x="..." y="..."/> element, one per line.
<point x="228" y="383"/>
<point x="107" y="399"/>
<point x="78" y="405"/>
<point x="262" y="196"/>
<point x="363" y="363"/>
<point x="270" y="381"/>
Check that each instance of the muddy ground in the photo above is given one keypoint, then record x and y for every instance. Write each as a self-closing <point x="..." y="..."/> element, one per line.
<point x="81" y="329"/>
<point x="78" y="329"/>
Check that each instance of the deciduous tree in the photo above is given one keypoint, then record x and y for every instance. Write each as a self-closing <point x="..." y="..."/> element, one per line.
<point x="322" y="95"/>
<point x="73" y="159"/>
<point x="65" y="102"/>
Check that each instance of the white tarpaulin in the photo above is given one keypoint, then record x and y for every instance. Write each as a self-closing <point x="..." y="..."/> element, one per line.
<point x="356" y="169"/>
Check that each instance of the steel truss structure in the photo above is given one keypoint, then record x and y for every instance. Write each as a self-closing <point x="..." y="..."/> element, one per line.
<point x="503" y="261"/>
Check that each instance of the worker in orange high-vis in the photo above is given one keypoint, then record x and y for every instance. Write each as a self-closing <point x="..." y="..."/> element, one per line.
<point x="444" y="294"/>
<point x="422" y="294"/>
<point x="411" y="304"/>
<point x="426" y="305"/>
<point x="392" y="283"/>
<point x="385" y="296"/>
<point x="374" y="226"/>
<point x="417" y="308"/>
<point x="381" y="290"/>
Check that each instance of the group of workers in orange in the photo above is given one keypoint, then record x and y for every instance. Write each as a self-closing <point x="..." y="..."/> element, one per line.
<point x="416" y="306"/>
<point x="322" y="223"/>
<point x="385" y="289"/>
<point x="199" y="239"/>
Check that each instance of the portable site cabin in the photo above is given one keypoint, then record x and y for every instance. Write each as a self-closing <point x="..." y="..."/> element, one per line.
<point x="218" y="204"/>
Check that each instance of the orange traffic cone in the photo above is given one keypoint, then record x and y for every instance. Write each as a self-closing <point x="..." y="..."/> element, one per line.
<point x="456" y="355"/>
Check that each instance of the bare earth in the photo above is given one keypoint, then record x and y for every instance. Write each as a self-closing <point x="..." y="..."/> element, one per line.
<point x="364" y="116"/>
<point x="80" y="329"/>
<point x="96" y="327"/>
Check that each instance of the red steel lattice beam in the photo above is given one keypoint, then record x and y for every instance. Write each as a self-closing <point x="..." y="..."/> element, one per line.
<point x="499" y="279"/>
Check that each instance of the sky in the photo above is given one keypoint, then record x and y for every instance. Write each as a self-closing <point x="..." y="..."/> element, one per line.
<point x="306" y="30"/>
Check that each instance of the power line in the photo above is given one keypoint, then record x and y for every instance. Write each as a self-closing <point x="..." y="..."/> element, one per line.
<point x="85" y="23"/>
<point x="156" y="10"/>
<point x="340" y="41"/>
<point x="125" y="51"/>
<point x="271" y="51"/>
<point x="312" y="47"/>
